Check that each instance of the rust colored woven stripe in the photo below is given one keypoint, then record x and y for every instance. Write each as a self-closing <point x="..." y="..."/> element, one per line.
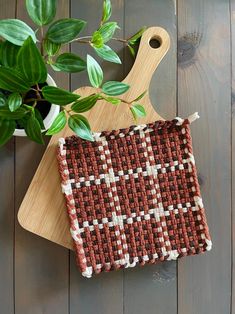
<point x="133" y="196"/>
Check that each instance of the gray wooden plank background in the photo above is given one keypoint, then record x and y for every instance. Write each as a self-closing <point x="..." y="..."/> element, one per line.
<point x="37" y="276"/>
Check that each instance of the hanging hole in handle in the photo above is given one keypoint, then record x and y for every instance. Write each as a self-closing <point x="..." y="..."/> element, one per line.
<point x="155" y="42"/>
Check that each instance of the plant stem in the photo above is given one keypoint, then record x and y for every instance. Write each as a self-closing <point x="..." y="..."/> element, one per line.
<point x="37" y="92"/>
<point x="126" y="102"/>
<point x="129" y="103"/>
<point x="82" y="40"/>
<point x="32" y="99"/>
<point x="120" y="39"/>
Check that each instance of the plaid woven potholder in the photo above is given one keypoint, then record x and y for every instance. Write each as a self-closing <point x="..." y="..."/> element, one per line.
<point x="133" y="196"/>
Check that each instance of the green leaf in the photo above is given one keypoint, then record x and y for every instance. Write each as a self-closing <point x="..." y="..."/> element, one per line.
<point x="80" y="125"/>
<point x="114" y="88"/>
<point x="2" y="101"/>
<point x="7" y="128"/>
<point x="108" y="54"/>
<point x="65" y="30"/>
<point x="95" y="72"/>
<point x="42" y="12"/>
<point x="58" y="96"/>
<point x="55" y="68"/>
<point x="97" y="40"/>
<point x="14" y="101"/>
<point x="33" y="129"/>
<point x="16" y="31"/>
<point x="58" y="124"/>
<point x="107" y="10"/>
<point x="38" y="116"/>
<point x="132" y="51"/>
<point x="140" y="96"/>
<point x="138" y="111"/>
<point x="136" y="37"/>
<point x="85" y="104"/>
<point x="107" y="30"/>
<point x="50" y="47"/>
<point x="31" y="63"/>
<point x="9" y="53"/>
<point x="69" y="62"/>
<point x="1" y="47"/>
<point x="12" y="81"/>
<point x="112" y="100"/>
<point x="5" y="113"/>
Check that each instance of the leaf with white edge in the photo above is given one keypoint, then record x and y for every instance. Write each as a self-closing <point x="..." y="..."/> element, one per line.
<point x="12" y="81"/>
<point x="9" y="53"/>
<point x="58" y="124"/>
<point x="31" y="64"/>
<point x="97" y="40"/>
<point x="80" y="126"/>
<point x="85" y="104"/>
<point x="50" y="47"/>
<point x="7" y="128"/>
<point x="136" y="37"/>
<point x="55" y="68"/>
<point x="5" y="113"/>
<point x="33" y="129"/>
<point x="58" y="96"/>
<point x="2" y="101"/>
<point x="95" y="72"/>
<point x="108" y="54"/>
<point x="65" y="30"/>
<point x="114" y="88"/>
<point x="14" y="101"/>
<point x="140" y="96"/>
<point x="42" y="12"/>
<point x="107" y="30"/>
<point x="138" y="111"/>
<point x="107" y="10"/>
<point x="69" y="62"/>
<point x="16" y="31"/>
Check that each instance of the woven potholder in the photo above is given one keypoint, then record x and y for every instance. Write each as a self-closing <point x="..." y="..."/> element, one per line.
<point x="133" y="196"/>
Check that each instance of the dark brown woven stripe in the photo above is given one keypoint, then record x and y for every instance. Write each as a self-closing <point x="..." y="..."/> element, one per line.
<point x="133" y="196"/>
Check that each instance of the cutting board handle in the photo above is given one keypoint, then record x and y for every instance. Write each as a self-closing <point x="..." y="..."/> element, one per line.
<point x="147" y="59"/>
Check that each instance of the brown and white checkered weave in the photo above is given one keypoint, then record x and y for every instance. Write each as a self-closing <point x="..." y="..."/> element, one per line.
<point x="133" y="196"/>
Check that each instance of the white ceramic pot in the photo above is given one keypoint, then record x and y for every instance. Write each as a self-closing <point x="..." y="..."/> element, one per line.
<point x="55" y="109"/>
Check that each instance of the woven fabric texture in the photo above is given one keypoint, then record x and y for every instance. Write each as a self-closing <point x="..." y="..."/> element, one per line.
<point x="133" y="196"/>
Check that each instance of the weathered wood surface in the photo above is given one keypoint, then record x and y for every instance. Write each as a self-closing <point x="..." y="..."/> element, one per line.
<point x="7" y="207"/>
<point x="148" y="289"/>
<point x="37" y="276"/>
<point x="204" y="84"/>
<point x="41" y="268"/>
<point x="232" y="15"/>
<point x="42" y="213"/>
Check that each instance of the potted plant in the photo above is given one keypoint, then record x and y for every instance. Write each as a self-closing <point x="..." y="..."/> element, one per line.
<point x="30" y="101"/>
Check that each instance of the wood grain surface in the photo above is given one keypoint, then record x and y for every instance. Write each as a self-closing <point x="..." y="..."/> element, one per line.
<point x="91" y="296"/>
<point x="204" y="84"/>
<point x="41" y="212"/>
<point x="7" y="206"/>
<point x="232" y="19"/>
<point x="37" y="276"/>
<point x="41" y="270"/>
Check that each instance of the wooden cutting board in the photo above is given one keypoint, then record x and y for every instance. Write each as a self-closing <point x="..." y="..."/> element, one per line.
<point x="43" y="210"/>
